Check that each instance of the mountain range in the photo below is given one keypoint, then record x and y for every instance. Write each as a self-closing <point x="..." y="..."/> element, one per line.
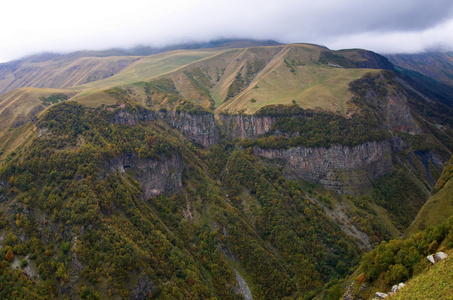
<point x="229" y="170"/>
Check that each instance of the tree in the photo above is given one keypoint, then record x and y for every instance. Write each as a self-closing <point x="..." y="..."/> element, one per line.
<point x="9" y="255"/>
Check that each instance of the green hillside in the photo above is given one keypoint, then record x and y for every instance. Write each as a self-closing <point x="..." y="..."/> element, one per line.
<point x="76" y="219"/>
<point x="405" y="261"/>
<point x="439" y="207"/>
<point x="433" y="283"/>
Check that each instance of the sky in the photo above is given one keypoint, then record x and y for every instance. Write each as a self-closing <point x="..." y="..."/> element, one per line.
<point x="384" y="26"/>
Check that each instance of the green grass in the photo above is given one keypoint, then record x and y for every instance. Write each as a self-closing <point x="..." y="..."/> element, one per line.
<point x="435" y="283"/>
<point x="439" y="207"/>
<point x="148" y="68"/>
<point x="310" y="86"/>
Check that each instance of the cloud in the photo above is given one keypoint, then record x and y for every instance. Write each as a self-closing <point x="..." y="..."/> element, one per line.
<point x="50" y="25"/>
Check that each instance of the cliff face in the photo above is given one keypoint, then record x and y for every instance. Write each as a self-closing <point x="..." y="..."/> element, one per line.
<point x="3" y="185"/>
<point x="132" y="118"/>
<point x="198" y="128"/>
<point x="157" y="177"/>
<point x="339" y="168"/>
<point x="246" y="126"/>
<point x="388" y="99"/>
<point x="395" y="110"/>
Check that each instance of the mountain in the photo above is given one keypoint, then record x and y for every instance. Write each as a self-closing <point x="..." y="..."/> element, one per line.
<point x="52" y="70"/>
<point x="439" y="206"/>
<point x="227" y="173"/>
<point x="436" y="65"/>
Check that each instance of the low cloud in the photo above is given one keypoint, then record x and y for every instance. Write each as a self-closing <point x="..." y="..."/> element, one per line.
<point x="382" y="26"/>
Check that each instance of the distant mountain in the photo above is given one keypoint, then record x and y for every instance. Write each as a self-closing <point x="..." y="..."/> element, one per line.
<point x="52" y="70"/>
<point x="436" y="65"/>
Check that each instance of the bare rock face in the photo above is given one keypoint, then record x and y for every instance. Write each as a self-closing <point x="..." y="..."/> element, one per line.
<point x="244" y="289"/>
<point x="132" y="118"/>
<point x="157" y="177"/>
<point x="197" y="128"/>
<point x="398" y="115"/>
<point x="246" y="126"/>
<point x="142" y="289"/>
<point x="391" y="105"/>
<point x="339" y="168"/>
<point x="3" y="186"/>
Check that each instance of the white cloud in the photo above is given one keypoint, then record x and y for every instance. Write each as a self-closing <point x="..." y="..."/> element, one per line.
<point x="48" y="25"/>
<point x="440" y="36"/>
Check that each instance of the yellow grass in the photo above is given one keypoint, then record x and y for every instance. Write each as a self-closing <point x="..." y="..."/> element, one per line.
<point x="18" y="106"/>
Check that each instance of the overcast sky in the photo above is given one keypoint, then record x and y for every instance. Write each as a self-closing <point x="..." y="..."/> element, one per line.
<point x="384" y="26"/>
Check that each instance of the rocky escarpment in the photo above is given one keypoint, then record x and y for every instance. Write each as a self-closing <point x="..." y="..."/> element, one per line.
<point x="3" y="186"/>
<point x="382" y="93"/>
<point x="339" y="168"/>
<point x="245" y="126"/>
<point x="198" y="128"/>
<point x="133" y="117"/>
<point x="161" y="176"/>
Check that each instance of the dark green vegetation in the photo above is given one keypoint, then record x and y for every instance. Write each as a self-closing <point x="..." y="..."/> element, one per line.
<point x="244" y="77"/>
<point x="439" y="206"/>
<point x="399" y="260"/>
<point x="316" y="129"/>
<point x="52" y="99"/>
<point x="121" y="200"/>
<point x="433" y="283"/>
<point x="73" y="216"/>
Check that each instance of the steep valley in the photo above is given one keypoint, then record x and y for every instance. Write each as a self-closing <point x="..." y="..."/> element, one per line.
<point x="176" y="184"/>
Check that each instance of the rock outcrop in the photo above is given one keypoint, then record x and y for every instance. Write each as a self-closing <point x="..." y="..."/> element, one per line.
<point x="244" y="289"/>
<point x="133" y="118"/>
<point x="434" y="258"/>
<point x="142" y="289"/>
<point x="197" y="128"/>
<point x="245" y="126"/>
<point x="3" y="186"/>
<point x="389" y="103"/>
<point x="157" y="177"/>
<point x="339" y="168"/>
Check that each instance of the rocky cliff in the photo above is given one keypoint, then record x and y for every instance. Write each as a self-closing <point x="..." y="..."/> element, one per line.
<point x="383" y="94"/>
<point x="133" y="117"/>
<point x="156" y="177"/>
<point x="339" y="168"/>
<point x="245" y="126"/>
<point x="198" y="128"/>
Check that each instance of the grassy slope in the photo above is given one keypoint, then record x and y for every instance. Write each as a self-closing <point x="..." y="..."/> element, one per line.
<point x="440" y="206"/>
<point x="436" y="65"/>
<point x="289" y="72"/>
<point x="307" y="82"/>
<point x="148" y="68"/>
<point x="19" y="105"/>
<point x="17" y="108"/>
<point x="62" y="73"/>
<point x="434" y="283"/>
